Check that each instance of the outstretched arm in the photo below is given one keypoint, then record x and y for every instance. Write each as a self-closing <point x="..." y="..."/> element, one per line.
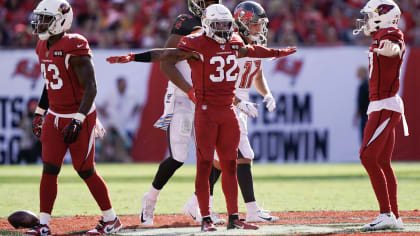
<point x="154" y="55"/>
<point x="257" y="51"/>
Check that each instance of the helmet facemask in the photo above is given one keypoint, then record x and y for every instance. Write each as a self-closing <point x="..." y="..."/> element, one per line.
<point x="220" y="30"/>
<point x="197" y="7"/>
<point x="42" y="24"/>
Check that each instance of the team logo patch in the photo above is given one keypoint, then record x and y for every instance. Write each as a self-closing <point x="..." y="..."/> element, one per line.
<point x="64" y="8"/>
<point x="243" y="15"/>
<point x="384" y="8"/>
<point x="58" y="53"/>
<point x="234" y="46"/>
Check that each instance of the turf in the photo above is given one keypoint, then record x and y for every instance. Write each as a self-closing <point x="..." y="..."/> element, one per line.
<point x="278" y="188"/>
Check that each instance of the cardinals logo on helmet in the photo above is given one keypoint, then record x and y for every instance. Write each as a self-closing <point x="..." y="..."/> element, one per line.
<point x="64" y="8"/>
<point x="383" y="9"/>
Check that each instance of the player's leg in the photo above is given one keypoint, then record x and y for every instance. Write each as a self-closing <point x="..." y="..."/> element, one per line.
<point x="191" y="208"/>
<point x="179" y="135"/>
<point x="376" y="136"/>
<point x="385" y="164"/>
<point x="53" y="151"/>
<point x="227" y="150"/>
<point x="83" y="158"/>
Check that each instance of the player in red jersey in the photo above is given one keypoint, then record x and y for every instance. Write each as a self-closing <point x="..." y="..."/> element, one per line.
<point x="385" y="110"/>
<point x="212" y="55"/>
<point x="69" y="94"/>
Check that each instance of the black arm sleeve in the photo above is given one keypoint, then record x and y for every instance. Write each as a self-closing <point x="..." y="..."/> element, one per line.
<point x="43" y="101"/>
<point x="143" y="57"/>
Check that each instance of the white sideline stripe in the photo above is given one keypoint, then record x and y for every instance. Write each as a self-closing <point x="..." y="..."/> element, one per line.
<point x="379" y="130"/>
<point x="289" y="229"/>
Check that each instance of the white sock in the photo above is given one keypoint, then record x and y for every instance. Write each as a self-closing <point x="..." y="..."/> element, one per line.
<point x="211" y="203"/>
<point x="252" y="206"/>
<point x="194" y="199"/>
<point x="44" y="218"/>
<point x="108" y="215"/>
<point x="153" y="193"/>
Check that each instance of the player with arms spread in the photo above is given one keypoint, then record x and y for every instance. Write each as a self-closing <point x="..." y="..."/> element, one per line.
<point x="385" y="109"/>
<point x="68" y="95"/>
<point x="252" y="22"/>
<point x="178" y="116"/>
<point x="212" y="55"/>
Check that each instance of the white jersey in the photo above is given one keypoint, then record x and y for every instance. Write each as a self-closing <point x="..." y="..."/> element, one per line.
<point x="185" y="70"/>
<point x="248" y="70"/>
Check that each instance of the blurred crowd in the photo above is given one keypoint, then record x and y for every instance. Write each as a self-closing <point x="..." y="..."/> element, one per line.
<point x="146" y="23"/>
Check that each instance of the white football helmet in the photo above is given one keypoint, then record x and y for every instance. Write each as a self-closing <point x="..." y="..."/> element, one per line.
<point x="378" y="14"/>
<point x="51" y="17"/>
<point x="217" y="22"/>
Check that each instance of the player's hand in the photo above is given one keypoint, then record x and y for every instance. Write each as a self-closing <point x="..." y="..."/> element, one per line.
<point x="270" y="102"/>
<point x="37" y="124"/>
<point x="387" y="48"/>
<point x="248" y="108"/>
<point x="191" y="95"/>
<point x="121" y="59"/>
<point x="71" y="131"/>
<point x="286" y="51"/>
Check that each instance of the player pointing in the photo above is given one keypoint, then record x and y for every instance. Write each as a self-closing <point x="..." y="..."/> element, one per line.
<point x="212" y="55"/>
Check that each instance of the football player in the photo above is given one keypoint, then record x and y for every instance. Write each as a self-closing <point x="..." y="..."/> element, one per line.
<point x="386" y="55"/>
<point x="212" y="55"/>
<point x="251" y="21"/>
<point x="178" y="115"/>
<point x="68" y="95"/>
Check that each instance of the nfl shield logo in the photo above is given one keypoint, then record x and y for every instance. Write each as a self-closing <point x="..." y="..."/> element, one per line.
<point x="47" y="53"/>
<point x="222" y="47"/>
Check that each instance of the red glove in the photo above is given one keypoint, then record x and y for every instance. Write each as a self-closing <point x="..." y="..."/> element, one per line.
<point x="71" y="131"/>
<point x="191" y="95"/>
<point x="121" y="59"/>
<point x="37" y="124"/>
<point x="286" y="51"/>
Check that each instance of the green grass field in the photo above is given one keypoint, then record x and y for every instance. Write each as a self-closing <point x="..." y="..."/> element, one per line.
<point x="278" y="188"/>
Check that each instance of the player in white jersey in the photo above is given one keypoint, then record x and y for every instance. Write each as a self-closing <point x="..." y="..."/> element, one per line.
<point x="252" y="22"/>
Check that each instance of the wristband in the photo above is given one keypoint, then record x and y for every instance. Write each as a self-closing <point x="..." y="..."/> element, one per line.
<point x="79" y="116"/>
<point x="39" y="111"/>
<point x="143" y="57"/>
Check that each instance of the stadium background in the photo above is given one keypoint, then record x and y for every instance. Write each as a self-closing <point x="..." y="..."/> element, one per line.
<point x="315" y="88"/>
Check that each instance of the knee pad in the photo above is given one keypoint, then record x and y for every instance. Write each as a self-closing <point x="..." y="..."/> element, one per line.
<point x="51" y="169"/>
<point x="85" y="174"/>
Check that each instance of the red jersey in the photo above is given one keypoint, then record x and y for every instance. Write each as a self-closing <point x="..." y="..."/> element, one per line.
<point x="215" y="75"/>
<point x="384" y="79"/>
<point x="64" y="90"/>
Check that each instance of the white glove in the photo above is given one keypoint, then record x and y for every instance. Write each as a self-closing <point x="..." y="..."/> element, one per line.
<point x="249" y="108"/>
<point x="271" y="103"/>
<point x="387" y="48"/>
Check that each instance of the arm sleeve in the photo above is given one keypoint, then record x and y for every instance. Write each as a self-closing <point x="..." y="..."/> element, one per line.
<point x="43" y="101"/>
<point x="257" y="51"/>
